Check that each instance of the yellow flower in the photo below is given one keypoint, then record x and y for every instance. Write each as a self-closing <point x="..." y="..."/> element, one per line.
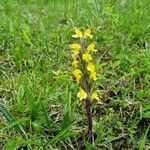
<point x="93" y="75"/>
<point x="91" y="47"/>
<point x="90" y="67"/>
<point x="77" y="74"/>
<point x="75" y="46"/>
<point x="75" y="63"/>
<point x="94" y="96"/>
<point x="78" y="33"/>
<point x="87" y="57"/>
<point x="75" y="54"/>
<point x="75" y="51"/>
<point x="82" y="94"/>
<point x="87" y="34"/>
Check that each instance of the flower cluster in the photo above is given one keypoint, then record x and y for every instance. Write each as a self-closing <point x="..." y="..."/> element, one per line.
<point x="84" y="70"/>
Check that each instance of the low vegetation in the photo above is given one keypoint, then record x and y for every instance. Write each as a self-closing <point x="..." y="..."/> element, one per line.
<point x="39" y="101"/>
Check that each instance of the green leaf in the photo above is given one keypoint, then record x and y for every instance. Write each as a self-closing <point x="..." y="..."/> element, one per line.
<point x="13" y="144"/>
<point x="59" y="136"/>
<point x="9" y="117"/>
<point x="146" y="111"/>
<point x="45" y="115"/>
<point x="20" y="96"/>
<point x="67" y="112"/>
<point x="16" y="122"/>
<point x="143" y="140"/>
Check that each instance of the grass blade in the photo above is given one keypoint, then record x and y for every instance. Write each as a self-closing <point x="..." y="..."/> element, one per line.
<point x="143" y="140"/>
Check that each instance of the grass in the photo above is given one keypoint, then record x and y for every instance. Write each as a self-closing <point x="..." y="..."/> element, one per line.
<point x="39" y="108"/>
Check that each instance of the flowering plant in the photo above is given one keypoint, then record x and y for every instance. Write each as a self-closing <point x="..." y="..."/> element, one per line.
<point x="84" y="72"/>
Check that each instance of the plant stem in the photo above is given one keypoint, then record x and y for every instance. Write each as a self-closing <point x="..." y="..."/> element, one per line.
<point x="88" y="107"/>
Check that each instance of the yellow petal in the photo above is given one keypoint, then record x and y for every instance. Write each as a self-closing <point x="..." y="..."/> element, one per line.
<point x="82" y="94"/>
<point x="94" y="96"/>
<point x="78" y="78"/>
<point x="91" y="47"/>
<point x="77" y="74"/>
<point x="87" y="57"/>
<point x="90" y="67"/>
<point x="78" y="33"/>
<point x="75" y="46"/>
<point x="75" y="54"/>
<point x="87" y="34"/>
<point x="93" y="75"/>
<point x="75" y="63"/>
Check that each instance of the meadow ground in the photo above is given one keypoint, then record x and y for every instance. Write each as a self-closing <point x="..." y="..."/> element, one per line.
<point x="38" y="102"/>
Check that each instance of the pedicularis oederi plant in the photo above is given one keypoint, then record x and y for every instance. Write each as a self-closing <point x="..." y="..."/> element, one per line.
<point x="84" y="72"/>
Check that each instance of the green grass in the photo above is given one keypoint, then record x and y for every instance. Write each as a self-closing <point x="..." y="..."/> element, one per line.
<point x="39" y="108"/>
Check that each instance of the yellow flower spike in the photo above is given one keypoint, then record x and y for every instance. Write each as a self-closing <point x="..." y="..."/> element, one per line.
<point x="87" y="34"/>
<point x="78" y="33"/>
<point x="77" y="74"/>
<point x="93" y="75"/>
<point x="90" y="67"/>
<point x="94" y="96"/>
<point x="82" y="94"/>
<point x="75" y="63"/>
<point x="87" y="57"/>
<point x="91" y="47"/>
<point x="75" y="46"/>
